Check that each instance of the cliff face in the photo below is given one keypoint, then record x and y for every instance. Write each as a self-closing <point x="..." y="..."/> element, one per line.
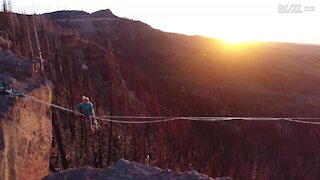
<point x="25" y="126"/>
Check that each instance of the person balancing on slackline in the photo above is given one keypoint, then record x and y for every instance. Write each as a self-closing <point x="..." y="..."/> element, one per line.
<point x="87" y="109"/>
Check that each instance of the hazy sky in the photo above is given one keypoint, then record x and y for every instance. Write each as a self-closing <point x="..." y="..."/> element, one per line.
<point x="231" y="20"/>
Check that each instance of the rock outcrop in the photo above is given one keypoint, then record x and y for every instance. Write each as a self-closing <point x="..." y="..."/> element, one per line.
<point x="18" y="67"/>
<point x="5" y="43"/>
<point x="25" y="126"/>
<point x="103" y="14"/>
<point x="125" y="170"/>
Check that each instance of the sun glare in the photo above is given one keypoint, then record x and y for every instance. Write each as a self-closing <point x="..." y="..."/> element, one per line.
<point x="235" y="40"/>
<point x="237" y="45"/>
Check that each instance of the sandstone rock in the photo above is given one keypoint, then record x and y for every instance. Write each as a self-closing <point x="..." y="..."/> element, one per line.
<point x="4" y="44"/>
<point x="25" y="126"/>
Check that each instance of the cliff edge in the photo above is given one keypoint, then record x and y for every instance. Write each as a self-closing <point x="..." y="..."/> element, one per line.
<point x="25" y="126"/>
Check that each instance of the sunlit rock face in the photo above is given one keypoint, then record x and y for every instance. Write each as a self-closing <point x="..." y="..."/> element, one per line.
<point x="25" y="126"/>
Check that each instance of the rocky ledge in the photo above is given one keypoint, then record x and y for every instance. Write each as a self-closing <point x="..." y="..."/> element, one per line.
<point x="125" y="170"/>
<point x="25" y="126"/>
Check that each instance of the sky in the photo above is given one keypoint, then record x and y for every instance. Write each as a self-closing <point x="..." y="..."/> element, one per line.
<point x="234" y="21"/>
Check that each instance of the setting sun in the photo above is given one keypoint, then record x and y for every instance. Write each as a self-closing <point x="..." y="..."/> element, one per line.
<point x="235" y="40"/>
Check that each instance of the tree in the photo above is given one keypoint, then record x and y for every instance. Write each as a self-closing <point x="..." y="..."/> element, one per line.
<point x="38" y="44"/>
<point x="4" y="6"/>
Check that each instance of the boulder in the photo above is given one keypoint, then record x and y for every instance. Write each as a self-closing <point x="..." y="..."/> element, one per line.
<point x="126" y="170"/>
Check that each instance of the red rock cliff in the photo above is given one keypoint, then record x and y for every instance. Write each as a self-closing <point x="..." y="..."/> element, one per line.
<point x="25" y="126"/>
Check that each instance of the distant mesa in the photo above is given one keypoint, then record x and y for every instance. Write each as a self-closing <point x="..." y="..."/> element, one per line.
<point x="72" y="14"/>
<point x="65" y="14"/>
